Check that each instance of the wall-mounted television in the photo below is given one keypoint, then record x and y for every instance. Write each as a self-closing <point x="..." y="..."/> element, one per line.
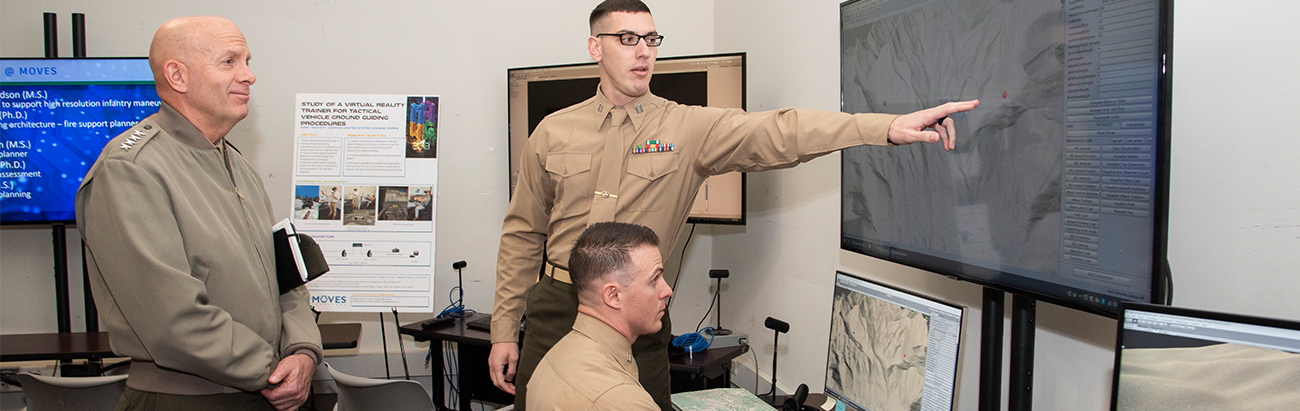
<point x="56" y="115"/>
<point x="1058" y="188"/>
<point x="716" y="80"/>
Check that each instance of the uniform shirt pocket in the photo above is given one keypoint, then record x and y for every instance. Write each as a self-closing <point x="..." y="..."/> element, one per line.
<point x="651" y="182"/>
<point x="569" y="171"/>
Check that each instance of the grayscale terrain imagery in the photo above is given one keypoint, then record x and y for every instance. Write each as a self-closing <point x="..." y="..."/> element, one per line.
<point x="1216" y="377"/>
<point x="996" y="198"/>
<point x="877" y="352"/>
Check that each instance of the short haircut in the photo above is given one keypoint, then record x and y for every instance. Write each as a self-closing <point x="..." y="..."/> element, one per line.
<point x="603" y="9"/>
<point x="605" y="249"/>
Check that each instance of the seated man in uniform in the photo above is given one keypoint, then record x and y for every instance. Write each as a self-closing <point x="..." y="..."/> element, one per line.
<point x="618" y="274"/>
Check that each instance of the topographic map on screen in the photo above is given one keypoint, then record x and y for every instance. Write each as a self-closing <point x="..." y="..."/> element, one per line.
<point x="877" y="352"/>
<point x="996" y="198"/>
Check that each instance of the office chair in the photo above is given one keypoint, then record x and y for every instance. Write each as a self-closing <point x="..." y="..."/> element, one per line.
<point x="367" y="394"/>
<point x="45" y="393"/>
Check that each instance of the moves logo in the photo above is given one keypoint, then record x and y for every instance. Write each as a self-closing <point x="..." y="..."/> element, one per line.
<point x="329" y="300"/>
<point x="32" y="71"/>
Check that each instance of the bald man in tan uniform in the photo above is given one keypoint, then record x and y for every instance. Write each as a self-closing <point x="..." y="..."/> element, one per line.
<point x="178" y="242"/>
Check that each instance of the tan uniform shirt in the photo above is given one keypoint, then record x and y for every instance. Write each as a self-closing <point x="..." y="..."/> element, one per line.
<point x="578" y="153"/>
<point x="591" y="368"/>
<point x="181" y="262"/>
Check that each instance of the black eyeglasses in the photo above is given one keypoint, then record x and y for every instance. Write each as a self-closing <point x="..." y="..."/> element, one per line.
<point x="631" y="39"/>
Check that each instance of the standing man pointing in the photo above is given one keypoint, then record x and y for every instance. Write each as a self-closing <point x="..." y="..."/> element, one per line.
<point x="579" y="168"/>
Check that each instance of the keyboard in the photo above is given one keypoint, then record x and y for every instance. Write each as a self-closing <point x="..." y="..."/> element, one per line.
<point x="483" y="322"/>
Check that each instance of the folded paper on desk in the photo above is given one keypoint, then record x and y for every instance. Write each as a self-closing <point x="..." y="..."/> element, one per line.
<point x="298" y="258"/>
<point x="719" y="399"/>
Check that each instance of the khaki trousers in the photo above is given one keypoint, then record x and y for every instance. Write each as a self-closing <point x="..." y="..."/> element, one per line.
<point x="133" y="400"/>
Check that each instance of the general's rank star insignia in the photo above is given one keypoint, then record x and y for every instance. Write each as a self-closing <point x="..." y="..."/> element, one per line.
<point x="126" y="146"/>
<point x="132" y="139"/>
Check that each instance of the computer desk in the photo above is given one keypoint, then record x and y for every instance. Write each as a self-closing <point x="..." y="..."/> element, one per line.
<point x="740" y="399"/>
<point x="705" y="369"/>
<point x="94" y="345"/>
<point x="473" y="347"/>
<point x="54" y="346"/>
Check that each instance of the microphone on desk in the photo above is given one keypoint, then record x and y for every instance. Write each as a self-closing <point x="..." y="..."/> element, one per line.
<point x="717" y="297"/>
<point x="457" y="308"/>
<point x="460" y="285"/>
<point x="780" y="327"/>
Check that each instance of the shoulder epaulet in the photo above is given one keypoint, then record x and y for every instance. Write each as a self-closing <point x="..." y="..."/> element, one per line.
<point x="125" y="145"/>
<point x="128" y="143"/>
<point x="579" y="105"/>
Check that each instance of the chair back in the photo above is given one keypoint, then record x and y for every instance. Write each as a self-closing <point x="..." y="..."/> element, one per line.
<point x="45" y="393"/>
<point x="372" y="394"/>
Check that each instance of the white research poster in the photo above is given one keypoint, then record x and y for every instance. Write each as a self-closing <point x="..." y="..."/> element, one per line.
<point x="365" y="176"/>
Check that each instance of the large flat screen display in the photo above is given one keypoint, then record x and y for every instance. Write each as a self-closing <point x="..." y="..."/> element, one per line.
<point x="716" y="80"/>
<point x="1169" y="358"/>
<point x="891" y="350"/>
<point x="55" y="117"/>
<point x="1058" y="187"/>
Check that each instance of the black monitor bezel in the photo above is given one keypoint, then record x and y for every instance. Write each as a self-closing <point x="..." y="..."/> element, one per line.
<point x="744" y="105"/>
<point x="956" y="381"/>
<point x="1161" y="281"/>
<point x="1179" y="311"/>
<point x="73" y="222"/>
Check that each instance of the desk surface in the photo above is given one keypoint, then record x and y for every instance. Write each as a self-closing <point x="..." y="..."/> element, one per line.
<point x="702" y="361"/>
<point x="739" y="399"/>
<point x="454" y="331"/>
<point x="54" y="346"/>
<point x="71" y="346"/>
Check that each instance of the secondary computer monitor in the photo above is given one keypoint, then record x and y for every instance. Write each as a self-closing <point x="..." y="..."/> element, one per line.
<point x="56" y="115"/>
<point x="716" y="80"/>
<point x="891" y="349"/>
<point x="1058" y="187"/>
<point x="1170" y="358"/>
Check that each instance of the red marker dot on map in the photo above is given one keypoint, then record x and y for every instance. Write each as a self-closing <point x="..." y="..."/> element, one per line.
<point x="1004" y="94"/>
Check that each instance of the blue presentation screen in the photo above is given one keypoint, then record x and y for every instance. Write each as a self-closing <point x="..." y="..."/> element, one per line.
<point x="56" y="115"/>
